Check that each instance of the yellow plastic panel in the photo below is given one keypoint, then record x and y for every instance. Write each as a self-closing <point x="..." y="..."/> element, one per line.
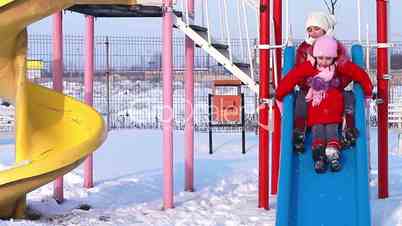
<point x="5" y="2"/>
<point x="54" y="133"/>
<point x="35" y="65"/>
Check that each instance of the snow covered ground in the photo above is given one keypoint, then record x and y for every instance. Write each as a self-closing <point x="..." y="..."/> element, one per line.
<point x="128" y="185"/>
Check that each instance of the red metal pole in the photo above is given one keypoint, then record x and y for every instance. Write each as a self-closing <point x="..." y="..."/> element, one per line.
<point x="382" y="87"/>
<point x="276" y="136"/>
<point x="263" y="179"/>
<point x="57" y="63"/>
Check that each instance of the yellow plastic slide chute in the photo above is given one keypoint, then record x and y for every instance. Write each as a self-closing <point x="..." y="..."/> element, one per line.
<point x="54" y="133"/>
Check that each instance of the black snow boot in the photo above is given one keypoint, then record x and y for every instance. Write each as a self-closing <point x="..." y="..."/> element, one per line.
<point x="333" y="158"/>
<point x="349" y="137"/>
<point x="320" y="164"/>
<point x="298" y="140"/>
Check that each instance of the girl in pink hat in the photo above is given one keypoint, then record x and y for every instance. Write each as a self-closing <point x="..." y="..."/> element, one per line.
<point x="319" y="24"/>
<point x="325" y="78"/>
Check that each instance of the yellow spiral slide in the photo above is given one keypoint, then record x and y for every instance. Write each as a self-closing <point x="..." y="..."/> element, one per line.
<point x="54" y="133"/>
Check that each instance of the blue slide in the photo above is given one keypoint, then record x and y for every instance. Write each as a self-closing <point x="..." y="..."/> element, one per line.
<point x="306" y="198"/>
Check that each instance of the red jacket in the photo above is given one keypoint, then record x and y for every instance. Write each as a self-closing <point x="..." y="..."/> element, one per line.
<point x="331" y="108"/>
<point x="305" y="48"/>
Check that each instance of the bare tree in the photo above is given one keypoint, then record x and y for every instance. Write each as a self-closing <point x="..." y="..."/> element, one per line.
<point x="331" y="4"/>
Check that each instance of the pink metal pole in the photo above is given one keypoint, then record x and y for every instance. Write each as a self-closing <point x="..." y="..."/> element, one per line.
<point x="88" y="90"/>
<point x="167" y="64"/>
<point x="189" y="96"/>
<point x="57" y="63"/>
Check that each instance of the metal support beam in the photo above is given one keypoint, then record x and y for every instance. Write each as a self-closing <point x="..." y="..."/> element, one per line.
<point x="382" y="87"/>
<point x="263" y="176"/>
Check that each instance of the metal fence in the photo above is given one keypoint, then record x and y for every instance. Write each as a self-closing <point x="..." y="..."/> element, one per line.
<point x="135" y="78"/>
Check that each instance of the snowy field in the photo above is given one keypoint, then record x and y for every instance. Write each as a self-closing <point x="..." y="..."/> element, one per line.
<point x="128" y="185"/>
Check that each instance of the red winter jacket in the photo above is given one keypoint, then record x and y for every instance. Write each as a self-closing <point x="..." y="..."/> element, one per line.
<point x="305" y="48"/>
<point x="330" y="109"/>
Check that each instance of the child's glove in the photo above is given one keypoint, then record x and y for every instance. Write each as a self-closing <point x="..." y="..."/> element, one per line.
<point x="367" y="102"/>
<point x="311" y="59"/>
<point x="279" y="104"/>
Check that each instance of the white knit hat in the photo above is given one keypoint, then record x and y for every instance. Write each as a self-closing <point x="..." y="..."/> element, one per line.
<point x="319" y="19"/>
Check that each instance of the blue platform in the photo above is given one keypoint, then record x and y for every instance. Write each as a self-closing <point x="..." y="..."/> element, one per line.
<point x="306" y="198"/>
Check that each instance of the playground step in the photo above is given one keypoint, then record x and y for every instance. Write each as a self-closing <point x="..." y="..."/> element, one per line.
<point x="224" y="52"/>
<point x="198" y="28"/>
<point x="243" y="66"/>
<point x="120" y="10"/>
<point x="220" y="46"/>
<point x="219" y="52"/>
<point x="202" y="33"/>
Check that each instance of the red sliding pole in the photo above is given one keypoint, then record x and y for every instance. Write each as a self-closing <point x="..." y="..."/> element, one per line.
<point x="276" y="136"/>
<point x="263" y="179"/>
<point x="382" y="87"/>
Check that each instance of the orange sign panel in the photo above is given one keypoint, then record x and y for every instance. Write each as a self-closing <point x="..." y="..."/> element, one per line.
<point x="226" y="108"/>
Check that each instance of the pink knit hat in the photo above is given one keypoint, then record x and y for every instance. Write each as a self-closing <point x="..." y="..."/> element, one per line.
<point x="325" y="46"/>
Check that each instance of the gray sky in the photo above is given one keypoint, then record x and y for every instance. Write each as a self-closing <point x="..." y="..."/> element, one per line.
<point x="346" y="14"/>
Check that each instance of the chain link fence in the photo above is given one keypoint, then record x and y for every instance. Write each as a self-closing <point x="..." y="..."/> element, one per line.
<point x="135" y="78"/>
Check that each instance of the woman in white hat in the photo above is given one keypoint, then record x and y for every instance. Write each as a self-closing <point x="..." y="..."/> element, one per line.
<point x="317" y="25"/>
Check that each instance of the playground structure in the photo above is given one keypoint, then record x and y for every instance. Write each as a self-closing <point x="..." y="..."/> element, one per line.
<point x="54" y="133"/>
<point x="359" y="210"/>
<point x="301" y="193"/>
<point x="18" y="94"/>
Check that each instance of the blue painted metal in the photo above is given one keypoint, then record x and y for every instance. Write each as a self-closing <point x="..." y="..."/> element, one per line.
<point x="287" y="160"/>
<point x="331" y="199"/>
<point x="363" y="197"/>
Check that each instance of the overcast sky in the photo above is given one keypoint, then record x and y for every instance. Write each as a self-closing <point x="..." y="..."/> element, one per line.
<point x="346" y="14"/>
